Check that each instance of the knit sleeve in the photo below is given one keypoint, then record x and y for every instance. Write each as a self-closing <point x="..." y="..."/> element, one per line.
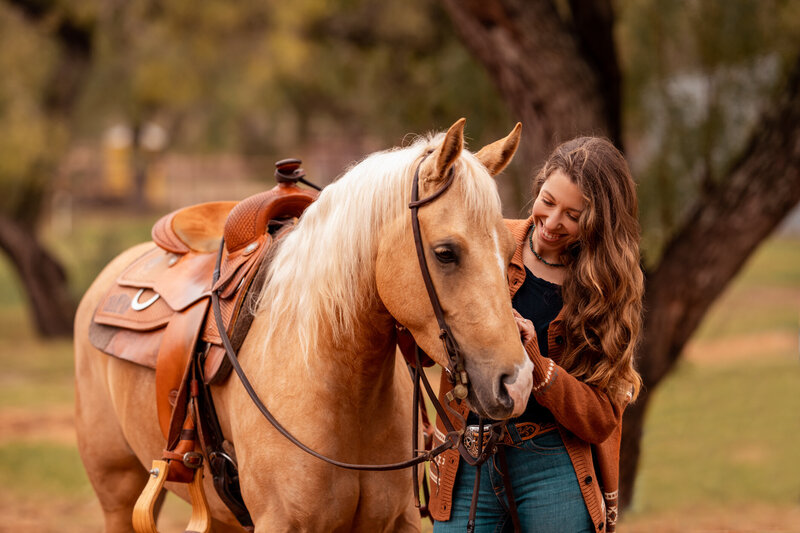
<point x="583" y="409"/>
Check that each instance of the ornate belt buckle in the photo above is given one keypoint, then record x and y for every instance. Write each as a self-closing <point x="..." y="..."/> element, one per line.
<point x="471" y="438"/>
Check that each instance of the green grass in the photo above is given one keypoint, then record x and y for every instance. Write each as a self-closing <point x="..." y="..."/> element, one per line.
<point x="42" y="469"/>
<point x="723" y="436"/>
<point x="775" y="264"/>
<point x="764" y="297"/>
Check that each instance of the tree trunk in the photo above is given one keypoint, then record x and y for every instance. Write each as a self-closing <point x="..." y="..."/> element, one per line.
<point x="528" y="50"/>
<point x="543" y="66"/>
<point x="725" y="227"/>
<point x="42" y="277"/>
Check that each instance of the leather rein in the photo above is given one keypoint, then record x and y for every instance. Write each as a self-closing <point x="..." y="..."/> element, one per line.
<point x="453" y="438"/>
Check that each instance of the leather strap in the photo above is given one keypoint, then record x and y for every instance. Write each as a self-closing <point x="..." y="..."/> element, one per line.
<point x="223" y="467"/>
<point x="180" y="337"/>
<point x="512" y="503"/>
<point x="456" y="368"/>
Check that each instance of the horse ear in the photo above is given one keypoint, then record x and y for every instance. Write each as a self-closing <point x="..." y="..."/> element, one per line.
<point x="446" y="154"/>
<point x="497" y="155"/>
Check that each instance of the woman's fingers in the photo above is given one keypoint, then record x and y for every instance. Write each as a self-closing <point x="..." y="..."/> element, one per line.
<point x="525" y="326"/>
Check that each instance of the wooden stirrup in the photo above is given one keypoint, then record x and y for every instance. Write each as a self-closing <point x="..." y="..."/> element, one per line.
<point x="143" y="519"/>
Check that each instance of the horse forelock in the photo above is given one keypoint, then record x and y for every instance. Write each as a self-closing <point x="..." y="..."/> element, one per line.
<point x="322" y="275"/>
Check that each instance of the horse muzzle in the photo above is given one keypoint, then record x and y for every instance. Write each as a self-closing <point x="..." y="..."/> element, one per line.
<point x="504" y="395"/>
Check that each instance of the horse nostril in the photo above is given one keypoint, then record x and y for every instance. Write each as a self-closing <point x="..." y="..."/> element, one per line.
<point x="503" y="397"/>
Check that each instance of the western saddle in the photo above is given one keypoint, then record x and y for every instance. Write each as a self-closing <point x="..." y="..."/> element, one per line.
<point x="157" y="314"/>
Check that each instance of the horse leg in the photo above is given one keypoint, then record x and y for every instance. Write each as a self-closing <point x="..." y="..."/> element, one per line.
<point x="113" y="469"/>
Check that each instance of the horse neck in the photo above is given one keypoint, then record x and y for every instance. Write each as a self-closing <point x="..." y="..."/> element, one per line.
<point x="357" y="370"/>
<point x="363" y="362"/>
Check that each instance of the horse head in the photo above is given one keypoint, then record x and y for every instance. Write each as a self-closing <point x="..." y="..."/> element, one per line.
<point x="467" y="248"/>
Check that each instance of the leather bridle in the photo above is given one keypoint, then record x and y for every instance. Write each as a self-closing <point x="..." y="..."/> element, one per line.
<point x="457" y="370"/>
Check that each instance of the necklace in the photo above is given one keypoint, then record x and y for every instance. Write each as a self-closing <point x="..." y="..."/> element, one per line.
<point x="539" y="257"/>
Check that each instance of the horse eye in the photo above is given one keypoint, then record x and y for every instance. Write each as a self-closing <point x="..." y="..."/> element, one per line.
<point x="445" y="255"/>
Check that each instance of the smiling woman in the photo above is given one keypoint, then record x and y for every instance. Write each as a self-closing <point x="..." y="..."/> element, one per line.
<point x="576" y="289"/>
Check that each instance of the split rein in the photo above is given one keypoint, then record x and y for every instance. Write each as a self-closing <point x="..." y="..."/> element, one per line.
<point x="453" y="437"/>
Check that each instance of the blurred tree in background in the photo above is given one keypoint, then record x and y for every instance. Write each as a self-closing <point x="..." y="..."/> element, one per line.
<point x="43" y="74"/>
<point x="702" y="94"/>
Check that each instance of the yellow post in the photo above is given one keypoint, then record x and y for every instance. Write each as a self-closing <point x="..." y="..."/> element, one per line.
<point x="118" y="162"/>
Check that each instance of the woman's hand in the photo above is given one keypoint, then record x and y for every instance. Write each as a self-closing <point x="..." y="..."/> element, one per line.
<point x="526" y="329"/>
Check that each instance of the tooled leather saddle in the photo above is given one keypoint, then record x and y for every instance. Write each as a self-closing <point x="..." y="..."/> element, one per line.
<point x="157" y="312"/>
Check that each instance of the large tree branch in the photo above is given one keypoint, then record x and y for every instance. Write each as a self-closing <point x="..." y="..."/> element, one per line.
<point x="593" y="21"/>
<point x="537" y="62"/>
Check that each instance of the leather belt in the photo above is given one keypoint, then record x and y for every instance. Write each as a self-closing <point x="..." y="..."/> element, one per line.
<point x="525" y="430"/>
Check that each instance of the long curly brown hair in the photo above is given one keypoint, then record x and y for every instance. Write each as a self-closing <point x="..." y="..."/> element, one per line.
<point x="603" y="286"/>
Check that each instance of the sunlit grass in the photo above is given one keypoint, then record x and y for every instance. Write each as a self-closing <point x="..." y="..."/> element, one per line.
<point x="775" y="264"/>
<point x="42" y="469"/>
<point x="765" y="296"/>
<point x="724" y="436"/>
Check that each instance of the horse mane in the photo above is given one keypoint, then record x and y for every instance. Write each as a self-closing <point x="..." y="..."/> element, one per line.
<point x="323" y="272"/>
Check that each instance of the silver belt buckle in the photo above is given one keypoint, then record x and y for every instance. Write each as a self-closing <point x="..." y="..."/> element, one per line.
<point x="471" y="437"/>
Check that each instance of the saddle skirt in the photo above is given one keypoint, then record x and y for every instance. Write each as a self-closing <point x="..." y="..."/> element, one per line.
<point x="157" y="314"/>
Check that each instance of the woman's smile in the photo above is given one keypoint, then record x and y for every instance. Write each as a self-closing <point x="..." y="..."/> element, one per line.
<point x="547" y="236"/>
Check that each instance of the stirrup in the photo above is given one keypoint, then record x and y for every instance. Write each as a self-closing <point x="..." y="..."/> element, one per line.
<point x="143" y="520"/>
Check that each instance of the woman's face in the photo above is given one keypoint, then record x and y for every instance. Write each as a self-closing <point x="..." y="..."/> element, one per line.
<point x="556" y="212"/>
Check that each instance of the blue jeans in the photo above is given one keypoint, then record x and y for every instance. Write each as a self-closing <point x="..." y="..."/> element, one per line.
<point x="545" y="487"/>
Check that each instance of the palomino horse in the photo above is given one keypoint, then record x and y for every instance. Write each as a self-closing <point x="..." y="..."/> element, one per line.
<point x="321" y="349"/>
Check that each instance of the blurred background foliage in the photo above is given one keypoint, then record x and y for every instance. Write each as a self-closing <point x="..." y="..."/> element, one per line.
<point x="697" y="76"/>
<point x="266" y="78"/>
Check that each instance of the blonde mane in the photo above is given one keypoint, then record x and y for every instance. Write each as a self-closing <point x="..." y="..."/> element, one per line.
<point x="323" y="273"/>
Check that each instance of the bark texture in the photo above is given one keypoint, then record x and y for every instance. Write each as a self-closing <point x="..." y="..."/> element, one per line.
<point x="527" y="48"/>
<point x="559" y="74"/>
